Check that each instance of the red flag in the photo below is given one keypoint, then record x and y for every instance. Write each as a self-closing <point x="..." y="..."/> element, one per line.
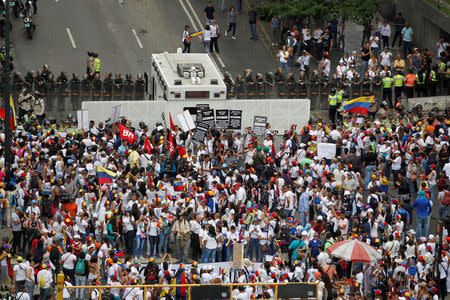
<point x="127" y="134"/>
<point x="171" y="144"/>
<point x="147" y="146"/>
<point x="273" y="150"/>
<point x="172" y="125"/>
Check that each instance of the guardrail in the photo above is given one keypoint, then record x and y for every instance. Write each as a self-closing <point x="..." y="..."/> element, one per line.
<point x="297" y="290"/>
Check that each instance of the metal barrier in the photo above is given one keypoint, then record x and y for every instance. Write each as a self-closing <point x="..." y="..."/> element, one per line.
<point x="297" y="290"/>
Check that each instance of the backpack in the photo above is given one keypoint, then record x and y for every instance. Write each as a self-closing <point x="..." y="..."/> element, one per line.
<point x="42" y="281"/>
<point x="294" y="146"/>
<point x="80" y="267"/>
<point x="166" y="229"/>
<point x="152" y="274"/>
<point x="54" y="255"/>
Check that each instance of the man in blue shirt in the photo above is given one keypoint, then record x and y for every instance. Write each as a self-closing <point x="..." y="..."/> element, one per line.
<point x="303" y="206"/>
<point x="398" y="25"/>
<point x="423" y="212"/>
<point x="407" y="38"/>
<point x="314" y="245"/>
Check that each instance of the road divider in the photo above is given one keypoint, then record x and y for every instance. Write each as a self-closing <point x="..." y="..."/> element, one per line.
<point x="137" y="38"/>
<point x="72" y="41"/>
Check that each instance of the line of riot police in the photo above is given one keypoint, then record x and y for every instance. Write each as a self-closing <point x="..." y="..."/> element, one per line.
<point x="65" y="93"/>
<point x="280" y="85"/>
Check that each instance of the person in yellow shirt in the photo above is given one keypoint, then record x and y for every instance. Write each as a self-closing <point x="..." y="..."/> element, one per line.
<point x="135" y="158"/>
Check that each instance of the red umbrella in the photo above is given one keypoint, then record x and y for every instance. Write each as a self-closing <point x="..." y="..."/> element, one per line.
<point x="354" y="250"/>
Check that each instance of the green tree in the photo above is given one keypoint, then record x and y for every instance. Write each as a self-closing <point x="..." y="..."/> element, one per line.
<point x="358" y="11"/>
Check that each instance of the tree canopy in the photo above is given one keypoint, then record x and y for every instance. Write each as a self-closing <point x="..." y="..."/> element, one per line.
<point x="358" y="11"/>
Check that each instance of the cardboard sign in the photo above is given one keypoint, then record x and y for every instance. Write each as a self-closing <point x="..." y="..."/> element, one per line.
<point x="186" y="121"/>
<point x="208" y="117"/>
<point x="200" y="132"/>
<point x="83" y="119"/>
<point x="199" y="108"/>
<point x="235" y="119"/>
<point x="115" y="114"/>
<point x="222" y="119"/>
<point x="259" y="125"/>
<point x="327" y="150"/>
<point x="238" y="255"/>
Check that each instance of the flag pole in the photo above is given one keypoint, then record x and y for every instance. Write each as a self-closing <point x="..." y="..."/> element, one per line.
<point x="6" y="96"/>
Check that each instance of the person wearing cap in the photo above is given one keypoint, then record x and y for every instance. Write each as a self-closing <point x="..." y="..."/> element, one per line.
<point x="19" y="271"/>
<point x="33" y="208"/>
<point x="33" y="227"/>
<point x="44" y="280"/>
<point x="215" y="31"/>
<point x="423" y="211"/>
<point x="396" y="165"/>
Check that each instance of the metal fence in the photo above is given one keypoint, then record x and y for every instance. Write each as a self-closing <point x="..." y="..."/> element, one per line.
<point x="294" y="290"/>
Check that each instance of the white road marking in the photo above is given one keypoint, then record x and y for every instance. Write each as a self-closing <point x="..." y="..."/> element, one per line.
<point x="137" y="38"/>
<point x="219" y="59"/>
<point x="189" y="16"/>
<point x="71" y="37"/>
<point x="195" y="15"/>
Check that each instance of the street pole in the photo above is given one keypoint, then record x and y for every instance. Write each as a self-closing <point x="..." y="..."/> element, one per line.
<point x="6" y="95"/>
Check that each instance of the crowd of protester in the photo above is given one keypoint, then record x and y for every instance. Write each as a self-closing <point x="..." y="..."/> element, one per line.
<point x="184" y="208"/>
<point x="375" y="66"/>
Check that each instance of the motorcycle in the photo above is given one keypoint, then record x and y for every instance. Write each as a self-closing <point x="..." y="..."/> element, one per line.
<point x="29" y="26"/>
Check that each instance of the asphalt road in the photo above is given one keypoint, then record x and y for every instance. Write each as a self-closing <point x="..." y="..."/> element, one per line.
<point x="125" y="36"/>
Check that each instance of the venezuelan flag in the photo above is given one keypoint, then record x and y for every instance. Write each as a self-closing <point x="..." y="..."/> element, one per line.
<point x="160" y="186"/>
<point x="359" y="105"/>
<point x="195" y="33"/>
<point x="12" y="113"/>
<point x="177" y="186"/>
<point x="104" y="175"/>
<point x="119" y="253"/>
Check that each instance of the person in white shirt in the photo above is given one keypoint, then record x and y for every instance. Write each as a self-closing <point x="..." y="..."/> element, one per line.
<point x="385" y="57"/>
<point x="341" y="69"/>
<point x="214" y="36"/>
<point x="303" y="61"/>
<point x="374" y="43"/>
<point x="128" y="226"/>
<point x="207" y="38"/>
<point x="396" y="164"/>
<point x="20" y="270"/>
<point x="441" y="46"/>
<point x="209" y="246"/>
<point x="68" y="263"/>
<point x="283" y="55"/>
<point x="67" y="291"/>
<point x="44" y="280"/>
<point x="385" y="34"/>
